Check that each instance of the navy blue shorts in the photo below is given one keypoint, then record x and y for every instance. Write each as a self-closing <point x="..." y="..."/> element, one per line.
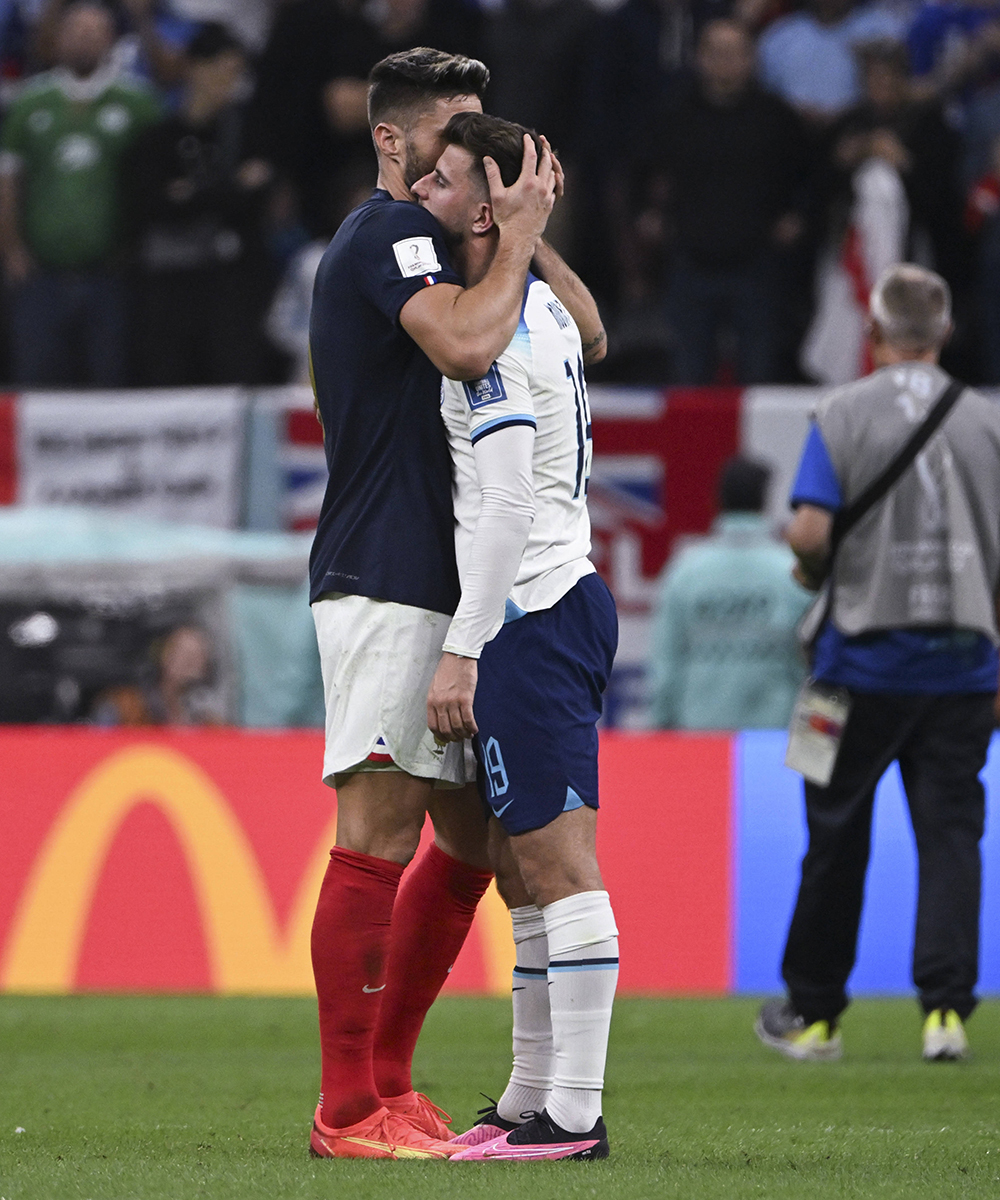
<point x="537" y="704"/>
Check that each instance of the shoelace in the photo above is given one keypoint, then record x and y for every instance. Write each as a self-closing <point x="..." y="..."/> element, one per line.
<point x="490" y="1108"/>
<point x="383" y="1130"/>
<point x="424" y="1102"/>
<point x="542" y="1118"/>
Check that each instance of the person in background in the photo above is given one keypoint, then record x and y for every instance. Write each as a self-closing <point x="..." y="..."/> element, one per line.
<point x="60" y="224"/>
<point x="808" y="56"/>
<point x="725" y="655"/>
<point x="734" y="159"/>
<point x="982" y="220"/>
<point x="197" y="187"/>
<point x="180" y="692"/>
<point x="149" y="38"/>
<point x="913" y="136"/>
<point x="908" y="637"/>
<point x="888" y="190"/>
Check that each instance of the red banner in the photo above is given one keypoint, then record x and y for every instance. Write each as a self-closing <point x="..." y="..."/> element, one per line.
<point x="190" y="861"/>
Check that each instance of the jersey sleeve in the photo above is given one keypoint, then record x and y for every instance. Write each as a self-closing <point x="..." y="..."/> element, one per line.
<point x="502" y="398"/>
<point x="397" y="252"/>
<point x="816" y="481"/>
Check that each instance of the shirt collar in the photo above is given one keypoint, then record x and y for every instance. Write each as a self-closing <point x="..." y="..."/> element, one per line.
<point x="81" y="90"/>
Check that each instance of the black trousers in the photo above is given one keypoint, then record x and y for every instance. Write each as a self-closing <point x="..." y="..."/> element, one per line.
<point x="940" y="743"/>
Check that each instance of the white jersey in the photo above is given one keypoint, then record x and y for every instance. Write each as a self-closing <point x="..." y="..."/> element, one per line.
<point x="537" y="382"/>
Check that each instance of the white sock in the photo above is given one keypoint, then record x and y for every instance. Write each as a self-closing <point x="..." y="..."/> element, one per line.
<point x="583" y="974"/>
<point x="531" y="1078"/>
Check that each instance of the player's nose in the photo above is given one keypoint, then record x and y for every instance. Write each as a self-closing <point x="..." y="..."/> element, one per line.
<point x="419" y="189"/>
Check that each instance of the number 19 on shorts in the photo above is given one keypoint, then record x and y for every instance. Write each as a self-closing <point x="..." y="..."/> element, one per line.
<point x="496" y="772"/>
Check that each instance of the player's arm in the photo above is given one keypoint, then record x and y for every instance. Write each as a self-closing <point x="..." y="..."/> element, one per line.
<point x="504" y="467"/>
<point x="575" y="297"/>
<point x="816" y="496"/>
<point x="464" y="330"/>
<point x="808" y="534"/>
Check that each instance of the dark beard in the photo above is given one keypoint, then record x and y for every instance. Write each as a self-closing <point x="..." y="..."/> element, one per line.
<point x="413" y="169"/>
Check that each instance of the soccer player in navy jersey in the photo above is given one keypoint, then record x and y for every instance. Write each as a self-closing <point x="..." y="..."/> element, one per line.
<point x="390" y="314"/>
<point x="542" y="625"/>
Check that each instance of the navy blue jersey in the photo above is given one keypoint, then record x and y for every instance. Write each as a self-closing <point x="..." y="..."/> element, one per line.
<point x="387" y="528"/>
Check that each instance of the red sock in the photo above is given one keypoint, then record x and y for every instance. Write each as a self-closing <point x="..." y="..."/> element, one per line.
<point x="350" y="937"/>
<point x="432" y="917"/>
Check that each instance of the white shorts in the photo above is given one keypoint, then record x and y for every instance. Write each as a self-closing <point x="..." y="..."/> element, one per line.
<point x="378" y="659"/>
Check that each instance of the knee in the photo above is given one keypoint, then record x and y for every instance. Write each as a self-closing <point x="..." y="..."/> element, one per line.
<point x="510" y="885"/>
<point x="395" y="841"/>
<point x="546" y="882"/>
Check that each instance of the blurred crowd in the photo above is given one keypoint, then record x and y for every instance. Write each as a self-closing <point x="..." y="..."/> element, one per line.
<point x="738" y="172"/>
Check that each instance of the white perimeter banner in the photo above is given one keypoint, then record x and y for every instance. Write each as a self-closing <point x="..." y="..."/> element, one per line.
<point x="172" y="455"/>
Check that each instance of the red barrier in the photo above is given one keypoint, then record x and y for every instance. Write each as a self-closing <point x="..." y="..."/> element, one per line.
<point x="190" y="861"/>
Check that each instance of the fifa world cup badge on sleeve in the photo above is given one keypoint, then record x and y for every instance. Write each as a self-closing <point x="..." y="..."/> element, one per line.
<point x="817" y="727"/>
<point x="416" y="256"/>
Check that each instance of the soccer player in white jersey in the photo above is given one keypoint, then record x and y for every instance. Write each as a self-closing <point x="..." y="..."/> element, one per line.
<point x="531" y="644"/>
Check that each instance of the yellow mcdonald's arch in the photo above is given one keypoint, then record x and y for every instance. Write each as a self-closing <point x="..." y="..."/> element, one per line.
<point x="248" y="952"/>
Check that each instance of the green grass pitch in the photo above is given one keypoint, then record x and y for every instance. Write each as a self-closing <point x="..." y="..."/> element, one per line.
<point x="135" y="1098"/>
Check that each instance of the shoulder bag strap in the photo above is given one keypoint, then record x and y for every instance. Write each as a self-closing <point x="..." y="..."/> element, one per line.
<point x="848" y="517"/>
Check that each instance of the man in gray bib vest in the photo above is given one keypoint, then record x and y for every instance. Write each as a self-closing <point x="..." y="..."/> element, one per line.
<point x="910" y="634"/>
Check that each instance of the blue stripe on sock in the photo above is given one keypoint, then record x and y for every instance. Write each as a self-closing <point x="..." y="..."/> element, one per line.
<point x="583" y="964"/>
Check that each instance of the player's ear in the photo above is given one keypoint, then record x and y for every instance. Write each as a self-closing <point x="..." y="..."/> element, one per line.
<point x="483" y="220"/>
<point x="388" y="139"/>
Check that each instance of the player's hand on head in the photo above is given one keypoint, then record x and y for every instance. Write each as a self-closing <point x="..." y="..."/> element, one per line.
<point x="449" y="700"/>
<point x="557" y="169"/>
<point x="524" y="207"/>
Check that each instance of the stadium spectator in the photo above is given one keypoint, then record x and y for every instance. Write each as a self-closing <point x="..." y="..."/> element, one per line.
<point x="907" y="636"/>
<point x="196" y="189"/>
<point x="912" y="135"/>
<point x="538" y="52"/>
<point x="149" y="38"/>
<point x="17" y="23"/>
<point x="808" y="57"/>
<point x="179" y="692"/>
<point x="953" y="44"/>
<point x="60" y="226"/>
<point x="735" y="159"/>
<point x="247" y="20"/>
<point x="888" y="188"/>
<point x="725" y="654"/>
<point x="983" y="222"/>
<point x="312" y="84"/>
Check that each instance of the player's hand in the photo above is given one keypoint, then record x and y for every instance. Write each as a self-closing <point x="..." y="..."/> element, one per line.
<point x="806" y="578"/>
<point x="449" y="701"/>
<point x="524" y="207"/>
<point x="557" y="169"/>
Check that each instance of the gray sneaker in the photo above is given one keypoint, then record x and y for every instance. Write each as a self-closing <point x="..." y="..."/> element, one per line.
<point x="783" y="1029"/>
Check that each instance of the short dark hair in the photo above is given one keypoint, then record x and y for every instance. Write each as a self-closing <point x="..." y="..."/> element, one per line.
<point x="404" y="84"/>
<point x="743" y="485"/>
<point x="483" y="135"/>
